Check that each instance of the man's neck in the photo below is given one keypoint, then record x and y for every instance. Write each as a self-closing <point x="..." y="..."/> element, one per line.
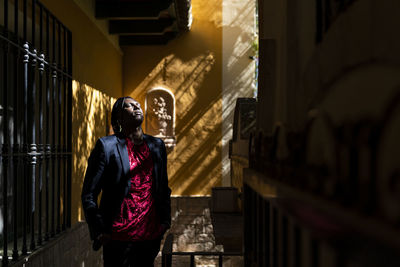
<point x="135" y="135"/>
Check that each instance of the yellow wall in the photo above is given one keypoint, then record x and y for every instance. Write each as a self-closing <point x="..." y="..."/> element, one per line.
<point x="96" y="60"/>
<point x="90" y="120"/>
<point x="194" y="75"/>
<point x="97" y="74"/>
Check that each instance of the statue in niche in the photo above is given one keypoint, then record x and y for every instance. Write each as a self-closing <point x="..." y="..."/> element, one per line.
<point x="160" y="115"/>
<point x="161" y="112"/>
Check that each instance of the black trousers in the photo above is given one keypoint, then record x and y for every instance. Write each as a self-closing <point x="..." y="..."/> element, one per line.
<point x="131" y="254"/>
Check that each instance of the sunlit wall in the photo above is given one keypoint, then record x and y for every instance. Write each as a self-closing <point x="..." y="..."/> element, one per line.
<point x="96" y="56"/>
<point x="190" y="66"/>
<point x="238" y="75"/>
<point x="97" y="74"/>
<point x="206" y="69"/>
<point x="90" y="120"/>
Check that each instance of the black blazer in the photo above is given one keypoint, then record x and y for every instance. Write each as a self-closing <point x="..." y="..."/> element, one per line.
<point x="107" y="171"/>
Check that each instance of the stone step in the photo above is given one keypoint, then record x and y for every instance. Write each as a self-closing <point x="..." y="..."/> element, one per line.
<point x="184" y="261"/>
<point x="195" y="228"/>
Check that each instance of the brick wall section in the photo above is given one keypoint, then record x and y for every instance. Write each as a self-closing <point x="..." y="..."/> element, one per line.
<point x="70" y="249"/>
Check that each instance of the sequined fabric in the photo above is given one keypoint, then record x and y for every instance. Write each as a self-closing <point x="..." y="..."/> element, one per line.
<point x="137" y="219"/>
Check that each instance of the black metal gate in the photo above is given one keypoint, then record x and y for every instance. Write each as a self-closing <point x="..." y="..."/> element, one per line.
<point x="35" y="127"/>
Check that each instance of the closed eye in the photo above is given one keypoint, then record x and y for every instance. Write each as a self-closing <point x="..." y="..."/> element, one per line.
<point x="132" y="105"/>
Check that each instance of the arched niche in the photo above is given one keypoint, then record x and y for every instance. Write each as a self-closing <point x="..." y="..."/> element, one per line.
<point x="160" y="115"/>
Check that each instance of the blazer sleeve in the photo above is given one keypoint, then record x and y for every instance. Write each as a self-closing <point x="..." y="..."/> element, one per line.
<point x="91" y="188"/>
<point x="165" y="197"/>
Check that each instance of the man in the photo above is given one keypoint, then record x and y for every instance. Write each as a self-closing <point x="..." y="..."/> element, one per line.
<point x="130" y="169"/>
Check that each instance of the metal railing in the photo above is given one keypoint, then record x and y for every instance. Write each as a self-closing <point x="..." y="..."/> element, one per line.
<point x="35" y="127"/>
<point x="167" y="253"/>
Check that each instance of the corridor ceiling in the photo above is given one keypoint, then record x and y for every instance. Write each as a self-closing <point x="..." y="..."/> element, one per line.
<point x="145" y="22"/>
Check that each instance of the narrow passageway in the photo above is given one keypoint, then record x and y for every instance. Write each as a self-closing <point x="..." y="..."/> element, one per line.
<point x="290" y="108"/>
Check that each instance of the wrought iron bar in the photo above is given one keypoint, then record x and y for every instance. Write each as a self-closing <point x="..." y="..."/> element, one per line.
<point x="16" y="22"/>
<point x="33" y="24"/>
<point x="5" y="17"/>
<point x="246" y="224"/>
<point x="40" y="147"/>
<point x="16" y="140"/>
<point x="16" y="151"/>
<point x="25" y="139"/>
<point x="25" y="20"/>
<point x="47" y="134"/>
<point x="5" y="147"/>
<point x="254" y="225"/>
<point x="41" y="29"/>
<point x="32" y="149"/>
<point x="266" y="233"/>
<point x="53" y="152"/>
<point x="274" y="236"/>
<point x="40" y="137"/>
<point x="69" y="126"/>
<point x="5" y="187"/>
<point x="32" y="152"/>
<point x="65" y="133"/>
<point x="59" y="133"/>
<point x="191" y="260"/>
<point x="259" y="228"/>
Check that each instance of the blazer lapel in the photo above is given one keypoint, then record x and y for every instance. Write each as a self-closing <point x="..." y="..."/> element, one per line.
<point x="151" y="147"/>
<point x="123" y="153"/>
<point x="153" y="153"/>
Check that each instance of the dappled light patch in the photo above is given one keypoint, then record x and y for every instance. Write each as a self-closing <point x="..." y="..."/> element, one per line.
<point x="91" y="111"/>
<point x="194" y="166"/>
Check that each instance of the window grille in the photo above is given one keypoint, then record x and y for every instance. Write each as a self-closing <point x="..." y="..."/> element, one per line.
<point x="35" y="127"/>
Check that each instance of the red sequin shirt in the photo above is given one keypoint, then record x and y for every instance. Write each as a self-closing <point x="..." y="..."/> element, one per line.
<point x="138" y="219"/>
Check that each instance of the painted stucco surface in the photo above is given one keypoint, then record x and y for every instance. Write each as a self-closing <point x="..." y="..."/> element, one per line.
<point x="97" y="74"/>
<point x="190" y="66"/>
<point x="91" y="110"/>
<point x="238" y="74"/>
<point x="96" y="61"/>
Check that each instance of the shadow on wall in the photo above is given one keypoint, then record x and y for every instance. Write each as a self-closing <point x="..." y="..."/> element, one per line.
<point x="91" y="111"/>
<point x="239" y="52"/>
<point x="190" y="66"/>
<point x="197" y="121"/>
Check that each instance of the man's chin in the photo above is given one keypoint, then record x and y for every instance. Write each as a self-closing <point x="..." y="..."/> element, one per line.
<point x="138" y="120"/>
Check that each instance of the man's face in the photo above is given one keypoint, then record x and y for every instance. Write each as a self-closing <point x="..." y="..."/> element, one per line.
<point x="132" y="112"/>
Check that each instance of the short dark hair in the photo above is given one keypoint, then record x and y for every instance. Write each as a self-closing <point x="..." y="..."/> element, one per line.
<point x="116" y="113"/>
